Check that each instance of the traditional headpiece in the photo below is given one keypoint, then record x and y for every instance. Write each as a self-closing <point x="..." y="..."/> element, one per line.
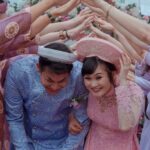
<point x="105" y="50"/>
<point x="3" y="7"/>
<point x="56" y="55"/>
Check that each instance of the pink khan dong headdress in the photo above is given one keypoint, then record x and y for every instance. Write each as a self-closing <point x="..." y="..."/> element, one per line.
<point x="105" y="50"/>
<point x="3" y="7"/>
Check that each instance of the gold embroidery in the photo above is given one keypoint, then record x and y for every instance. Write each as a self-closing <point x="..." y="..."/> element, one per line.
<point x="11" y="30"/>
<point x="21" y="51"/>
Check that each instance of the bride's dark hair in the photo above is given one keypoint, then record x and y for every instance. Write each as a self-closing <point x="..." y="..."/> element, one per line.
<point x="91" y="63"/>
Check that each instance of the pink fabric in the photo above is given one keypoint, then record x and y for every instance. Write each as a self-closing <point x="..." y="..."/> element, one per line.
<point x="105" y="133"/>
<point x="11" y="27"/>
<point x="105" y="50"/>
<point x="3" y="7"/>
<point x="17" y="43"/>
<point x="28" y="50"/>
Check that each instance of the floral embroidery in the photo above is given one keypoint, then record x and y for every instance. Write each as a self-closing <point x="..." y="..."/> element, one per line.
<point x="75" y="102"/>
<point x="21" y="51"/>
<point x="11" y="30"/>
<point x="107" y="102"/>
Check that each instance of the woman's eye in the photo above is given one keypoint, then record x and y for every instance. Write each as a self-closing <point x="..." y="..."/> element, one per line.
<point x="98" y="78"/>
<point x="87" y="78"/>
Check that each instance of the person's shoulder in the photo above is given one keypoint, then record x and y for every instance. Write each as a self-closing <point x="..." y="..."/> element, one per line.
<point x="24" y="63"/>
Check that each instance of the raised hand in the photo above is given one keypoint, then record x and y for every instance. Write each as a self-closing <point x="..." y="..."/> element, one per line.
<point x="74" y="125"/>
<point x="98" y="31"/>
<point x="85" y="11"/>
<point x="64" y="9"/>
<point x="99" y="11"/>
<point x="85" y="24"/>
<point x="131" y="76"/>
<point x="84" y="14"/>
<point x="125" y="64"/>
<point x="104" y="24"/>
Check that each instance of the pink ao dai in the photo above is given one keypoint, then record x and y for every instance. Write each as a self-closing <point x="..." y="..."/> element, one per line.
<point x="115" y="119"/>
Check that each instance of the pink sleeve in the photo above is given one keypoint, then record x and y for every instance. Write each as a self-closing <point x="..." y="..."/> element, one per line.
<point x="130" y="102"/>
<point x="19" y="42"/>
<point x="12" y="27"/>
<point x="32" y="49"/>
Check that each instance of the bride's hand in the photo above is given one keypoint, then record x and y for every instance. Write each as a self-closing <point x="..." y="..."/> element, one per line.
<point x="125" y="64"/>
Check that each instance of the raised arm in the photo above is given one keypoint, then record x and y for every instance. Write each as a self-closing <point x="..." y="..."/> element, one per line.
<point x="130" y="50"/>
<point x="130" y="98"/>
<point x="69" y="34"/>
<point x="130" y="101"/>
<point x="66" y="25"/>
<point x="137" y="27"/>
<point x="19" y="25"/>
<point x="129" y="35"/>
<point x="39" y="24"/>
<point x="107" y="37"/>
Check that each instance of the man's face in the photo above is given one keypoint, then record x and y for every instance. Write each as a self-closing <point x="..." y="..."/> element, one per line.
<point x="53" y="82"/>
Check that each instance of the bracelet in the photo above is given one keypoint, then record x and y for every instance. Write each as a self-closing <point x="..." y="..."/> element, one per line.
<point x="108" y="11"/>
<point x="51" y="17"/>
<point x="62" y="36"/>
<point x="67" y="36"/>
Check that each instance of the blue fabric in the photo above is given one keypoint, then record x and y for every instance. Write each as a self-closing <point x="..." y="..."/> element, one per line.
<point x="38" y="120"/>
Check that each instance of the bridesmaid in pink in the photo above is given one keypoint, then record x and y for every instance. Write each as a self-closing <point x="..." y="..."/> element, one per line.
<point x="115" y="104"/>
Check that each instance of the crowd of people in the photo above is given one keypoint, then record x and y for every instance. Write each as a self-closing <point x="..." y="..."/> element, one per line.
<point x="79" y="84"/>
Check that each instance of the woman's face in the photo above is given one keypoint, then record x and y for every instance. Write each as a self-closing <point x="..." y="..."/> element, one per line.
<point x="98" y="83"/>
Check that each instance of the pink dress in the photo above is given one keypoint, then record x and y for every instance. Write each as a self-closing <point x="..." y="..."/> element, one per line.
<point x="105" y="132"/>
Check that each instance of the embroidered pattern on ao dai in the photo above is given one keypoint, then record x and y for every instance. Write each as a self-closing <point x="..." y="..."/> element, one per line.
<point x="105" y="132"/>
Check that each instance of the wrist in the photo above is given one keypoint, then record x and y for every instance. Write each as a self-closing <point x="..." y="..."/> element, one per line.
<point x="63" y="35"/>
<point x="70" y="34"/>
<point x="51" y="17"/>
